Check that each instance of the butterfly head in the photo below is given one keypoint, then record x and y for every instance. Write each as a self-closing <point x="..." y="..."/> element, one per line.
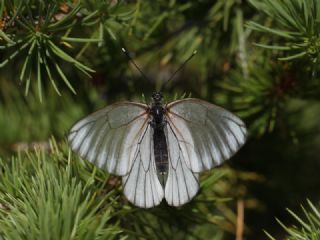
<point x="157" y="97"/>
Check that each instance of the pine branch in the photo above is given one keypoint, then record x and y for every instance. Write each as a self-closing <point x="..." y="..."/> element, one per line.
<point x="49" y="193"/>
<point x="39" y="34"/>
<point x="294" y="24"/>
<point x="43" y="196"/>
<point x="308" y="227"/>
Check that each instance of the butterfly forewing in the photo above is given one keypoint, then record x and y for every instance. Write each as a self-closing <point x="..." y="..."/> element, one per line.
<point x="207" y="134"/>
<point x="109" y="138"/>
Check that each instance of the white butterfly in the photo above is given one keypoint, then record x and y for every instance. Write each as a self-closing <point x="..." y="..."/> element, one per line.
<point x="159" y="150"/>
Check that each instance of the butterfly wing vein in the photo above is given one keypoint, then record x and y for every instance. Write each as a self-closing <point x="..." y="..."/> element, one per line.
<point x="182" y="184"/>
<point x="141" y="185"/>
<point x="207" y="134"/>
<point x="109" y="138"/>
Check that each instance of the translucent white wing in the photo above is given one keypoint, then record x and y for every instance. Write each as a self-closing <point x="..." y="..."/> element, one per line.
<point x="141" y="186"/>
<point x="207" y="134"/>
<point x="109" y="138"/>
<point x="182" y="184"/>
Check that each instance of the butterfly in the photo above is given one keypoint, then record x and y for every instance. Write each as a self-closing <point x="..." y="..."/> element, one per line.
<point x="160" y="149"/>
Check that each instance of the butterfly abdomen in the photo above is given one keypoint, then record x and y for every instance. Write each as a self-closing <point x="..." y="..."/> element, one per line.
<point x="159" y="138"/>
<point x="160" y="150"/>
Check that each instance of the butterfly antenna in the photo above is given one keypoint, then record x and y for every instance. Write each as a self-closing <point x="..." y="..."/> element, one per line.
<point x="132" y="61"/>
<point x="181" y="66"/>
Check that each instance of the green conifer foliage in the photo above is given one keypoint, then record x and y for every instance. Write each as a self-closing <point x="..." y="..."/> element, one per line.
<point x="62" y="59"/>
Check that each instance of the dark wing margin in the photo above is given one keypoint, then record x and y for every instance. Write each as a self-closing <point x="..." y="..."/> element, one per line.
<point x="207" y="134"/>
<point x="141" y="185"/>
<point x="182" y="184"/>
<point x="109" y="138"/>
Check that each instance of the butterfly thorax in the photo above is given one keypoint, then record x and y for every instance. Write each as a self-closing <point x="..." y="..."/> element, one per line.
<point x="159" y="139"/>
<point x="157" y="110"/>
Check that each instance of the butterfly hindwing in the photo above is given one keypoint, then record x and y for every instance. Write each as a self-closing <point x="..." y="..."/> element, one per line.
<point x="141" y="185"/>
<point x="182" y="184"/>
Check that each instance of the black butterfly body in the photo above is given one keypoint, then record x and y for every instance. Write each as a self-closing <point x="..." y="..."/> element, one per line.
<point x="159" y="139"/>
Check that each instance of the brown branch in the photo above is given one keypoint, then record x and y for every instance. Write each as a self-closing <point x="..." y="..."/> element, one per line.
<point x="240" y="219"/>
